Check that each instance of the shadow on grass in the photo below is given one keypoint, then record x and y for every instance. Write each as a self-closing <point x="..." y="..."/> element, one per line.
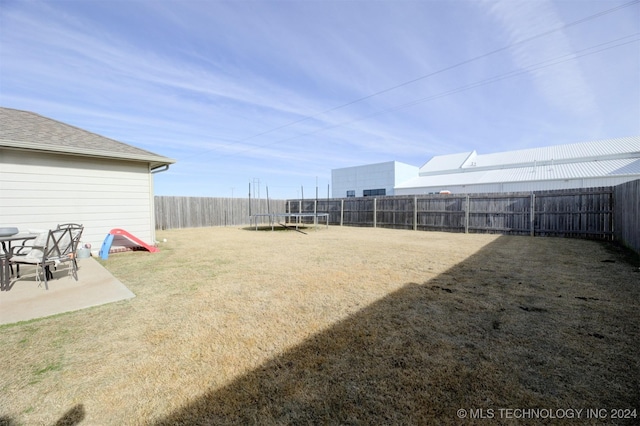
<point x="73" y="416"/>
<point x="7" y="421"/>
<point x="486" y="335"/>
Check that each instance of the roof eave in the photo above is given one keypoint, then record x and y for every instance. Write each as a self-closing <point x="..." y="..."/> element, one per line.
<point x="154" y="161"/>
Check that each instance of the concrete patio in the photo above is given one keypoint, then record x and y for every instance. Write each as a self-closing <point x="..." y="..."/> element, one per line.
<point x="28" y="299"/>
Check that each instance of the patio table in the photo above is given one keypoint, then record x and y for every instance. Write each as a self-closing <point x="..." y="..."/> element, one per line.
<point x="5" y="266"/>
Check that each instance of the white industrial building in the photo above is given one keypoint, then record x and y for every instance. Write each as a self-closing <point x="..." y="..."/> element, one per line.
<point x="370" y="180"/>
<point x="580" y="165"/>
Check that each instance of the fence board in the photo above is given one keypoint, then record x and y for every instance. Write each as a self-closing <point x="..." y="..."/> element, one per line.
<point x="584" y="213"/>
<point x="507" y="213"/>
<point x="627" y="214"/>
<point x="595" y="213"/>
<point x="197" y="212"/>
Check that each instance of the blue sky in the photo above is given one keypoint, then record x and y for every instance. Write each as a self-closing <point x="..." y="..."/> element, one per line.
<point x="284" y="91"/>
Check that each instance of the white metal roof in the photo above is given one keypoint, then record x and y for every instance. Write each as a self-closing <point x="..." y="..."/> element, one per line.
<point x="560" y="153"/>
<point x="617" y="167"/>
<point x="608" y="149"/>
<point x="446" y="162"/>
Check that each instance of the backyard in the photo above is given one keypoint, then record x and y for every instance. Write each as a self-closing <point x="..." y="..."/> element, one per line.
<point x="340" y="326"/>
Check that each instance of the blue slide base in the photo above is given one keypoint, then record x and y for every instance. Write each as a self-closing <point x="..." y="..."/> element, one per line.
<point x="106" y="246"/>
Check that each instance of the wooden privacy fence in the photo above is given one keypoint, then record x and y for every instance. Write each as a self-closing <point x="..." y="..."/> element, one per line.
<point x="586" y="213"/>
<point x="196" y="212"/>
<point x="597" y="213"/>
<point x="627" y="214"/>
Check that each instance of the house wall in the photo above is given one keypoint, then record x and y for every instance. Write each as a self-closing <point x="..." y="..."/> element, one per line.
<point x="38" y="191"/>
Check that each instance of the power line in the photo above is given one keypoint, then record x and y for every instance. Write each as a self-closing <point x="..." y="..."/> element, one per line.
<point x="510" y="74"/>
<point x="490" y="80"/>
<point x="408" y="82"/>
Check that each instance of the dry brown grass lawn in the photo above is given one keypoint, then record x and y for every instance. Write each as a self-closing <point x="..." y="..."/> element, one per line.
<point x="339" y="326"/>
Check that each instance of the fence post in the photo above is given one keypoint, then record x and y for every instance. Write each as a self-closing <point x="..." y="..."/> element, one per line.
<point x="287" y="210"/>
<point x="611" y="213"/>
<point x="466" y="215"/>
<point x="341" y="211"/>
<point x="315" y="211"/>
<point x="415" y="213"/>
<point x="532" y="212"/>
<point x="375" y="212"/>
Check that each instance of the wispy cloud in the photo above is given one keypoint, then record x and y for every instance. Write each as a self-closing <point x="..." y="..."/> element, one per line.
<point x="563" y="87"/>
<point x="235" y="89"/>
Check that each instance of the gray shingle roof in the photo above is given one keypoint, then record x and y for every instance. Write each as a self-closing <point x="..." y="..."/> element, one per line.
<point x="28" y="130"/>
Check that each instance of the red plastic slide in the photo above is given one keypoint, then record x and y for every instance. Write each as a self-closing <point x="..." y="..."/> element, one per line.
<point x="138" y="241"/>
<point x="106" y="245"/>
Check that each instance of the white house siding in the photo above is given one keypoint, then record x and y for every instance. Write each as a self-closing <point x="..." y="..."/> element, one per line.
<point x="39" y="191"/>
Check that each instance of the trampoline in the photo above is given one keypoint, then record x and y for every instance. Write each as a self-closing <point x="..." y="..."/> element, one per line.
<point x="274" y="218"/>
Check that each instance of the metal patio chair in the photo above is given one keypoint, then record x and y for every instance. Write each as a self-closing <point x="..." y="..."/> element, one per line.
<point x="76" y="233"/>
<point x="49" y="249"/>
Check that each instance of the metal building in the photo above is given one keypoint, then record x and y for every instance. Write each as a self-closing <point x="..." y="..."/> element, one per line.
<point x="370" y="180"/>
<point x="579" y="165"/>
